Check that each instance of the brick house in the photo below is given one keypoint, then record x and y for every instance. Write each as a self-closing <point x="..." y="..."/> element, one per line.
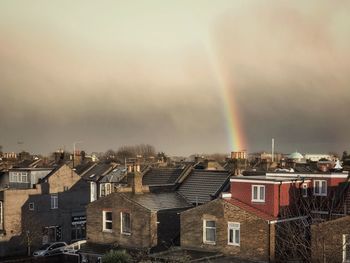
<point x="330" y="241"/>
<point x="230" y="227"/>
<point x="54" y="209"/>
<point x="134" y="218"/>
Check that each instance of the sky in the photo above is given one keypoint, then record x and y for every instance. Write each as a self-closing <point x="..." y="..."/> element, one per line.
<point x="113" y="73"/>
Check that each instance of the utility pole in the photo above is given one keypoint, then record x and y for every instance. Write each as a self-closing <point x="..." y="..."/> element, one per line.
<point x="273" y="150"/>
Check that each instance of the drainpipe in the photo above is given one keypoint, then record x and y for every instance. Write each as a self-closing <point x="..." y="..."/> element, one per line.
<point x="279" y="197"/>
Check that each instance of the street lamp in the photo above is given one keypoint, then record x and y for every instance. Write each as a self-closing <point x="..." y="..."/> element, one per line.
<point x="74" y="143"/>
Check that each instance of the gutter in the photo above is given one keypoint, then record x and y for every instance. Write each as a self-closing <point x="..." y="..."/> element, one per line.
<point x="270" y="222"/>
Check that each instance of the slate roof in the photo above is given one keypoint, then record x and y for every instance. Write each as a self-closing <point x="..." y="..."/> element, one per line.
<point x="161" y="176"/>
<point x="158" y="201"/>
<point x="201" y="185"/>
<point x="81" y="168"/>
<point x="116" y="176"/>
<point x="99" y="170"/>
<point x="250" y="209"/>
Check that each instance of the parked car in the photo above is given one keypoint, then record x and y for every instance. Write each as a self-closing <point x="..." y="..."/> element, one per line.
<point x="50" y="249"/>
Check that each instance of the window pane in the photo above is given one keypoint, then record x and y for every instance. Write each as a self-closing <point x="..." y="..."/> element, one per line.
<point x="210" y="223"/>
<point x="262" y="193"/>
<point x="230" y="238"/>
<point x="126" y="225"/>
<point x="317" y="186"/>
<point x="255" y="192"/>
<point x="237" y="236"/>
<point x="323" y="187"/>
<point x="210" y="234"/>
<point x="108" y="216"/>
<point x="108" y="225"/>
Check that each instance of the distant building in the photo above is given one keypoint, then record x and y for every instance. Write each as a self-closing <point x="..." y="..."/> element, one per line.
<point x="239" y="154"/>
<point x="317" y="157"/>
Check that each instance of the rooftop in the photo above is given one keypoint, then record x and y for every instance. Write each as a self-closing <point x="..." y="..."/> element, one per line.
<point x="161" y="176"/>
<point x="201" y="186"/>
<point x="158" y="201"/>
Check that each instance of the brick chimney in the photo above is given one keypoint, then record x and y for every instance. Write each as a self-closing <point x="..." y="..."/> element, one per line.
<point x="137" y="183"/>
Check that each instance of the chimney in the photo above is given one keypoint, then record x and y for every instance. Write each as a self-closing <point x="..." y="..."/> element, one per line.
<point x="137" y="182"/>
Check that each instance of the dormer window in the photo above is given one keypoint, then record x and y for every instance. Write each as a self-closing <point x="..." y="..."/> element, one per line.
<point x="258" y="193"/>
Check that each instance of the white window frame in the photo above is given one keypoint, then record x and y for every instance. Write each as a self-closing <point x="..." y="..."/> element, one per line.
<point x="93" y="191"/>
<point x="104" y="221"/>
<point x="122" y="231"/>
<point x="31" y="206"/>
<point x="54" y="201"/>
<point x="318" y="190"/>
<point x="304" y="190"/>
<point x="233" y="226"/>
<point x="345" y="244"/>
<point x="205" y="241"/>
<point x="259" y="189"/>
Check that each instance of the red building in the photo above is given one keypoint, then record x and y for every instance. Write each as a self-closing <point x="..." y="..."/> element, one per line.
<point x="287" y="194"/>
<point x="272" y="195"/>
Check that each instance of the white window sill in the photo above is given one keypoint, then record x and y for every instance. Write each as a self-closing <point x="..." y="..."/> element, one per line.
<point x="126" y="234"/>
<point x="320" y="194"/>
<point x="209" y="243"/>
<point x="233" y="244"/>
<point x="107" y="230"/>
<point x="258" y="201"/>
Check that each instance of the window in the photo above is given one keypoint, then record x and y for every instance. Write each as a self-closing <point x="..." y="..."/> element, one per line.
<point x="54" y="201"/>
<point x="258" y="193"/>
<point x="209" y="232"/>
<point x="31" y="206"/>
<point x="233" y="233"/>
<point x="14" y="177"/>
<point x="107" y="221"/>
<point x="93" y="191"/>
<point x="105" y="189"/>
<point x="65" y="188"/>
<point x="346" y="248"/>
<point x="125" y="223"/>
<point x="320" y="187"/>
<point x="304" y="190"/>
<point x="24" y="178"/>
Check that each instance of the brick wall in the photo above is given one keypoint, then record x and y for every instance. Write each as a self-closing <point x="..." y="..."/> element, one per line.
<point x="12" y="242"/>
<point x="255" y="243"/>
<point x="143" y="223"/>
<point x="327" y="240"/>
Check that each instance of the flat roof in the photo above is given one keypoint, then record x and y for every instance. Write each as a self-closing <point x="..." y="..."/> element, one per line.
<point x="268" y="179"/>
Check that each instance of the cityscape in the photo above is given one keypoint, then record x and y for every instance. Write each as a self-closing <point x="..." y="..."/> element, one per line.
<point x="174" y="131"/>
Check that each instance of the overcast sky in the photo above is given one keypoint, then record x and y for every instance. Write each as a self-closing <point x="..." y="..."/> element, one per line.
<point x="112" y="73"/>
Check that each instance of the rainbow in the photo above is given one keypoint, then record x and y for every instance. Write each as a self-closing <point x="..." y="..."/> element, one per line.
<point x="225" y="83"/>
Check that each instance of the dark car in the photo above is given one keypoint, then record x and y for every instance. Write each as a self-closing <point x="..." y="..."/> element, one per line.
<point x="50" y="249"/>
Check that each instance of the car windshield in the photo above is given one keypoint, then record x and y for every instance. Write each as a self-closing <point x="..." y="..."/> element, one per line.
<point x="44" y="247"/>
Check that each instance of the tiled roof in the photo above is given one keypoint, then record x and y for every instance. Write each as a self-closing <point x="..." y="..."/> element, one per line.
<point x="158" y="201"/>
<point x="161" y="176"/>
<point x="201" y="185"/>
<point x="250" y="209"/>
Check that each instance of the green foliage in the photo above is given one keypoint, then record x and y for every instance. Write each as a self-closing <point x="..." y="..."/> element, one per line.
<point x="116" y="256"/>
